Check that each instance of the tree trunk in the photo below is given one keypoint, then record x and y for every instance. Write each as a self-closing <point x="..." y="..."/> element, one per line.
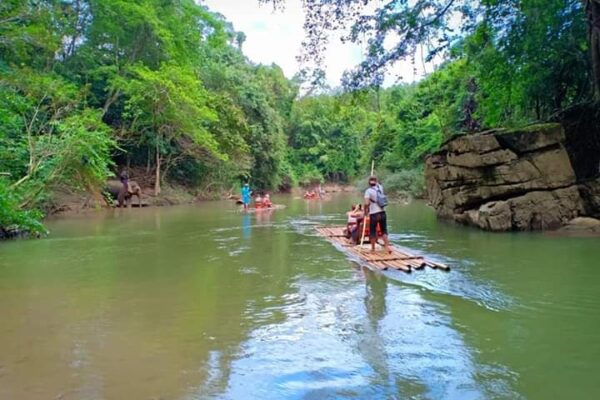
<point x="157" y="181"/>
<point x="593" y="15"/>
<point x="148" y="160"/>
<point x="113" y="95"/>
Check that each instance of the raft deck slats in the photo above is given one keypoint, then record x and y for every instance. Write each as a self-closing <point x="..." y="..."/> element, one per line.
<point x="397" y="259"/>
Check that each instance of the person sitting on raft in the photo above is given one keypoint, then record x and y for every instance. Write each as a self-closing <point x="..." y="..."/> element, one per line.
<point x="267" y="201"/>
<point x="310" y="195"/>
<point x="263" y="201"/>
<point x="355" y="218"/>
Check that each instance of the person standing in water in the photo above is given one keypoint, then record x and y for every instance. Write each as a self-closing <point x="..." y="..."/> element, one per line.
<point x="375" y="201"/>
<point x="246" y="192"/>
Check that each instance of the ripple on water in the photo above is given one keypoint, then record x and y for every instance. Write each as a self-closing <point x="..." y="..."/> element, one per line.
<point x="337" y="338"/>
<point x="249" y="270"/>
<point x="459" y="282"/>
<point x="226" y="239"/>
<point x="237" y="251"/>
<point x="307" y="225"/>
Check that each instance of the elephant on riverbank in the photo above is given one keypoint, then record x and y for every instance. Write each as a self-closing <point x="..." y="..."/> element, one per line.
<point x="117" y="191"/>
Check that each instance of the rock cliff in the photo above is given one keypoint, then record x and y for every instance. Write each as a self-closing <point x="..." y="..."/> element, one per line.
<point x="504" y="180"/>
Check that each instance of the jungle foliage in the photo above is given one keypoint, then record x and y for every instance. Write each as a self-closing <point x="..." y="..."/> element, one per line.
<point x="89" y="87"/>
<point x="506" y="63"/>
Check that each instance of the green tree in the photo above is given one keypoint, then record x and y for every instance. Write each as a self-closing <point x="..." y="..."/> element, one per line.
<point x="169" y="107"/>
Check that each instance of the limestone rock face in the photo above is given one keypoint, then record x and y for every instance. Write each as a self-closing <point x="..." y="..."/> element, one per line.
<point x="590" y="192"/>
<point x="506" y="180"/>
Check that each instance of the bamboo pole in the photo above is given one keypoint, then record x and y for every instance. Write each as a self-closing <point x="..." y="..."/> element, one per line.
<point x="362" y="239"/>
<point x="400" y="266"/>
<point x="364" y="230"/>
<point x="438" y="265"/>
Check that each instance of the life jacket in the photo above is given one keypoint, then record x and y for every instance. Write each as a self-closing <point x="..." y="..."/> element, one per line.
<point x="264" y="203"/>
<point x="368" y="229"/>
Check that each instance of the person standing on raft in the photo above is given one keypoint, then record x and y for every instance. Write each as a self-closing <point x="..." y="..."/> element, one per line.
<point x="246" y="195"/>
<point x="375" y="201"/>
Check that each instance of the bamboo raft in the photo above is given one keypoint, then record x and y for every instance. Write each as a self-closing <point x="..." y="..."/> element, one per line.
<point x="380" y="259"/>
<point x="261" y="209"/>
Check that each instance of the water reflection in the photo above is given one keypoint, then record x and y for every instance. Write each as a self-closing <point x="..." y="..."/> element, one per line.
<point x="263" y="217"/>
<point x="375" y="297"/>
<point x="206" y="302"/>
<point x="246" y="226"/>
<point x="337" y="343"/>
<point x="372" y="345"/>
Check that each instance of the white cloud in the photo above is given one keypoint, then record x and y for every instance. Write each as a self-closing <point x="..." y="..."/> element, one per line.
<point x="276" y="37"/>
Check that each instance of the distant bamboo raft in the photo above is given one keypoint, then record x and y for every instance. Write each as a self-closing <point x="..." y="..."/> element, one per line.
<point x="380" y="259"/>
<point x="261" y="209"/>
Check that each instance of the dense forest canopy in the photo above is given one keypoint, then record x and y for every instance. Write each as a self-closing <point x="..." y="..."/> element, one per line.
<point x="91" y="87"/>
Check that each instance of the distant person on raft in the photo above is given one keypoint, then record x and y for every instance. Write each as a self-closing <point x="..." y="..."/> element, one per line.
<point x="267" y="201"/>
<point x="263" y="201"/>
<point x="310" y="195"/>
<point x="246" y="192"/>
<point x="375" y="202"/>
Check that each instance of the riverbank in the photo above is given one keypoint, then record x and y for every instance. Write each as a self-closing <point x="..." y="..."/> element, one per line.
<point x="65" y="202"/>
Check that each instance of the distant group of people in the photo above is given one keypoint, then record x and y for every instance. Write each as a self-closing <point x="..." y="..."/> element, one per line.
<point x="261" y="201"/>
<point x="310" y="194"/>
<point x="364" y="220"/>
<point x="316" y="193"/>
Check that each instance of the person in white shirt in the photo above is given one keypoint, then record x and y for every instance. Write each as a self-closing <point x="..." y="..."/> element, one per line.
<point x="355" y="219"/>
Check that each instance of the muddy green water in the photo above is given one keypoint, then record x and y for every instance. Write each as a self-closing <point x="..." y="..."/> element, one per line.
<point x="203" y="302"/>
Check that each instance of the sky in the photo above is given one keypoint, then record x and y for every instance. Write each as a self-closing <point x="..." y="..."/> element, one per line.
<point x="276" y="37"/>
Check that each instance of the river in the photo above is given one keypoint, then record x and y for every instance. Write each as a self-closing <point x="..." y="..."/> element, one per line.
<point x="202" y="301"/>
